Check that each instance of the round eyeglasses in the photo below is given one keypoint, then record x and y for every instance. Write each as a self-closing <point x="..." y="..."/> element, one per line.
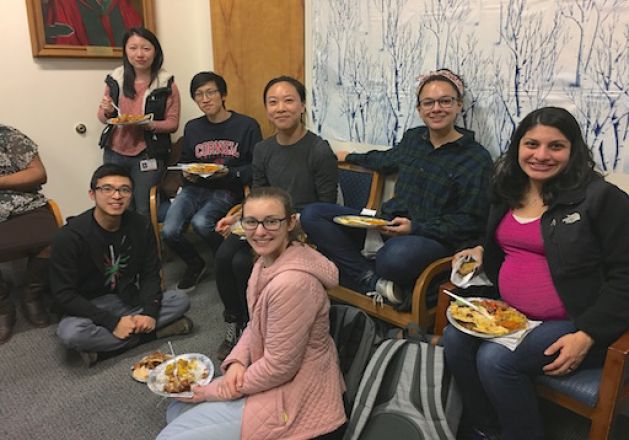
<point x="109" y="190"/>
<point x="444" y="102"/>
<point x="270" y="224"/>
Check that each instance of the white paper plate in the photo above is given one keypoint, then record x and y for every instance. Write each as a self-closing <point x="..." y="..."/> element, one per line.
<point x="360" y="221"/>
<point x="157" y="378"/>
<point x="456" y="324"/>
<point x="147" y="118"/>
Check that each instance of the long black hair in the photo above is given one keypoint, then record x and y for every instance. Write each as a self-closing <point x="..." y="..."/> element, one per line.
<point x="128" y="82"/>
<point x="510" y="181"/>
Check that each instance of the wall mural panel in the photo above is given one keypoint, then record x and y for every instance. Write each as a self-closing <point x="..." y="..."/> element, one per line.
<point x="514" y="56"/>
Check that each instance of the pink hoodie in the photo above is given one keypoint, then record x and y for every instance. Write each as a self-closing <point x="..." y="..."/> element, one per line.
<point x="293" y="381"/>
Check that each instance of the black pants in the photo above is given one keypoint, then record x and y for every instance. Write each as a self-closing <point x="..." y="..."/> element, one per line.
<point x="234" y="262"/>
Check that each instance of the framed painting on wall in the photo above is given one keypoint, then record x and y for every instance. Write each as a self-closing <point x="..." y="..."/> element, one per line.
<point x="85" y="28"/>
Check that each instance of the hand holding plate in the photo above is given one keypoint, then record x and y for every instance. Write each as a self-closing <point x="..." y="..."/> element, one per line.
<point x="398" y="226"/>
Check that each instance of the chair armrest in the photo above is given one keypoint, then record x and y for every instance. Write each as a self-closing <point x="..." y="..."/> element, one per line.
<point x="153" y="206"/>
<point x="234" y="210"/>
<point x="56" y="212"/>
<point x="443" y="301"/>
<point x="419" y="307"/>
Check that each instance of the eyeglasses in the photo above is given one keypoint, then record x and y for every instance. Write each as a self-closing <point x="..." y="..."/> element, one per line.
<point x="200" y="94"/>
<point x="109" y="190"/>
<point x="444" y="102"/>
<point x="270" y="224"/>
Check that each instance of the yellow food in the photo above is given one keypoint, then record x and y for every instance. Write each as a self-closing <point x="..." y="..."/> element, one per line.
<point x="467" y="267"/>
<point x="504" y="319"/>
<point x="127" y="119"/>
<point x="181" y="378"/>
<point x="363" y="221"/>
<point x="141" y="370"/>
<point x="203" y="168"/>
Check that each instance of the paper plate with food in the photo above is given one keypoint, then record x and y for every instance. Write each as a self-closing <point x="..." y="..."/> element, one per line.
<point x="203" y="169"/>
<point x="129" y="119"/>
<point x="361" y="221"/>
<point x="493" y="319"/>
<point x="140" y="370"/>
<point x="175" y="377"/>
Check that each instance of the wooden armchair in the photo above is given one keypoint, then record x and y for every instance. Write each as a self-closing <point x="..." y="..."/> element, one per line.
<point x="362" y="188"/>
<point x="595" y="393"/>
<point x="56" y="212"/>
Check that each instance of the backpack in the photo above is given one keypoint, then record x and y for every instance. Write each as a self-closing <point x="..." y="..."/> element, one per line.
<point x="405" y="393"/>
<point x="355" y="335"/>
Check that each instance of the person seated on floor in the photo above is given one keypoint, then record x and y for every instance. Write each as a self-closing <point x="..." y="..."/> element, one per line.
<point x="440" y="198"/>
<point x="294" y="159"/>
<point x="222" y="137"/>
<point x="105" y="275"/>
<point x="27" y="227"/>
<point x="554" y="220"/>
<point x="282" y="379"/>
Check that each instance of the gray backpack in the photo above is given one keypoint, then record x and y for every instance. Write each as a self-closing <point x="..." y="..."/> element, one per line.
<point x="405" y="393"/>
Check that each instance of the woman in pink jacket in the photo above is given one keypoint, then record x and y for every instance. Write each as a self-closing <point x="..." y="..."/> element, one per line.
<point x="282" y="379"/>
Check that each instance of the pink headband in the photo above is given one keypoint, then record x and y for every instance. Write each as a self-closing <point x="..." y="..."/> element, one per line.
<point x="442" y="72"/>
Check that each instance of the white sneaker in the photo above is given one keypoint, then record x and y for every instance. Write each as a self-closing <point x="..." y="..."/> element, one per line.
<point x="389" y="291"/>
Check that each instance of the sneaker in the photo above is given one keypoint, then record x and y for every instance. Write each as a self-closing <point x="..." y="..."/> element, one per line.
<point x="233" y="331"/>
<point x="389" y="291"/>
<point x="182" y="326"/>
<point x="191" y="277"/>
<point x="89" y="358"/>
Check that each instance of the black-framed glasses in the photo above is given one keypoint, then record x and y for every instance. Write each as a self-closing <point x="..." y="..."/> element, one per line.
<point x="269" y="223"/>
<point x="200" y="94"/>
<point x="109" y="190"/>
<point x="444" y="102"/>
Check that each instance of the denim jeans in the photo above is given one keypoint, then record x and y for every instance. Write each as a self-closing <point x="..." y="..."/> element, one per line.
<point x="201" y="208"/>
<point x="400" y="260"/>
<point x="83" y="334"/>
<point x="142" y="180"/>
<point x="203" y="421"/>
<point x="496" y="380"/>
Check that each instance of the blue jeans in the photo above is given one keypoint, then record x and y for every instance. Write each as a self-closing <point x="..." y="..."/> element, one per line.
<point x="83" y="334"/>
<point x="142" y="180"/>
<point x="203" y="421"/>
<point x="494" y="380"/>
<point x="201" y="208"/>
<point x="400" y="260"/>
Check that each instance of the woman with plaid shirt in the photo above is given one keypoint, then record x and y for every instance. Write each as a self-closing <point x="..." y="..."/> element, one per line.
<point x="440" y="200"/>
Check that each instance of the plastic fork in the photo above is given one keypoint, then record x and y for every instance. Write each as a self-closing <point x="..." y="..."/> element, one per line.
<point x="469" y="304"/>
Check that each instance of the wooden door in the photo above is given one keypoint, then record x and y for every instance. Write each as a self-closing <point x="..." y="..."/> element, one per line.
<point x="254" y="41"/>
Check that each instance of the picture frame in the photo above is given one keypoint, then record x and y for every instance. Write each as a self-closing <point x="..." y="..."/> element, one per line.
<point x="73" y="29"/>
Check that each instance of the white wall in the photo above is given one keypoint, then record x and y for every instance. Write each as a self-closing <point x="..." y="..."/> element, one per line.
<point x="46" y="97"/>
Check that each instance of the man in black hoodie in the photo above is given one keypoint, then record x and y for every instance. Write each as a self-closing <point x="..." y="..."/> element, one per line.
<point x="105" y="275"/>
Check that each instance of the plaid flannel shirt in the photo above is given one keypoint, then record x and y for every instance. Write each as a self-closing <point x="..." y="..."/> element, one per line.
<point x="443" y="191"/>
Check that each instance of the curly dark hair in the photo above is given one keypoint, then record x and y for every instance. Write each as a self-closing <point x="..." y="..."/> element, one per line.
<point x="509" y="180"/>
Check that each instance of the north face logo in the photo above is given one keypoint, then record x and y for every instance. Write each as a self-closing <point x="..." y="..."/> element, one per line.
<point x="572" y="218"/>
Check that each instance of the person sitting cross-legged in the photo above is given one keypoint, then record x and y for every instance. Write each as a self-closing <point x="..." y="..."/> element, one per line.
<point x="105" y="275"/>
<point x="440" y="198"/>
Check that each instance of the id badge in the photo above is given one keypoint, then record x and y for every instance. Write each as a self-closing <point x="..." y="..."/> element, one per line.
<point x="148" y="165"/>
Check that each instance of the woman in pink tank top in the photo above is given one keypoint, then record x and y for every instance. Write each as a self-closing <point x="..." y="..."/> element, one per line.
<point x="557" y="249"/>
